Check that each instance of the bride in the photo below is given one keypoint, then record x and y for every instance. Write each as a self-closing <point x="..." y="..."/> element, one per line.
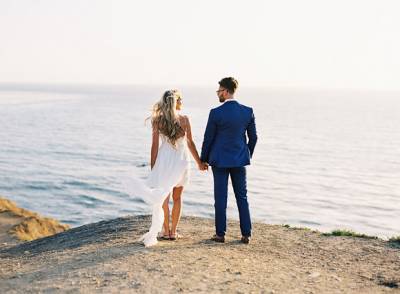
<point x="169" y="165"/>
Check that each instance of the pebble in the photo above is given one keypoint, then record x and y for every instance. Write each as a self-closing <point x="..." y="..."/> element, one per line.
<point x="315" y="275"/>
<point x="336" y="278"/>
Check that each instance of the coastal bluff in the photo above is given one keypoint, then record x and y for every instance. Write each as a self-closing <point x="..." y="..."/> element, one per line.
<point x="18" y="224"/>
<point x="105" y="257"/>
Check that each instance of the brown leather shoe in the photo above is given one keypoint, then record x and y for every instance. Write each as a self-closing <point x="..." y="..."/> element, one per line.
<point x="245" y="239"/>
<point x="219" y="239"/>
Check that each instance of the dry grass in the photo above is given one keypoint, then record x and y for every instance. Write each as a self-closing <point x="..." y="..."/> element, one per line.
<point x="32" y="225"/>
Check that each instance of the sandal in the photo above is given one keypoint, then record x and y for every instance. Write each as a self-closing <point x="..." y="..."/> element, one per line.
<point x="174" y="237"/>
<point x="164" y="236"/>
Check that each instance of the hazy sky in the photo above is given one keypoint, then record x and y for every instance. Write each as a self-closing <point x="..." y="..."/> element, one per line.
<point x="334" y="44"/>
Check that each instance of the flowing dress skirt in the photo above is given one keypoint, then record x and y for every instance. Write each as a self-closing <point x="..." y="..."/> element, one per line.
<point x="170" y="170"/>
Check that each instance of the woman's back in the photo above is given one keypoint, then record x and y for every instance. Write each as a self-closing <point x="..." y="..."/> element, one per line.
<point x="172" y="163"/>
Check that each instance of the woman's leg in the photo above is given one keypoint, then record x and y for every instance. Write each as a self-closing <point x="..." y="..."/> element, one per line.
<point x="166" y="215"/>
<point x="176" y="209"/>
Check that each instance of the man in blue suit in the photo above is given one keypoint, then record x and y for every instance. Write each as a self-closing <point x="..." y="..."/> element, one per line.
<point x="227" y="150"/>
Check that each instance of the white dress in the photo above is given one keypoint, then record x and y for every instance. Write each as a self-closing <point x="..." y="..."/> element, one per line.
<point x="170" y="170"/>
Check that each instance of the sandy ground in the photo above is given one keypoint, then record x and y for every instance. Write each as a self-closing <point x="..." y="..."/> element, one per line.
<point x="105" y="257"/>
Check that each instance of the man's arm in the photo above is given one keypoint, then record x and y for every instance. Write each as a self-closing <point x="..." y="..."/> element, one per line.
<point x="252" y="134"/>
<point x="209" y="136"/>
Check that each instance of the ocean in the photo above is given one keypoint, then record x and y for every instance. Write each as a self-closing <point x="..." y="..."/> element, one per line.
<point x="325" y="159"/>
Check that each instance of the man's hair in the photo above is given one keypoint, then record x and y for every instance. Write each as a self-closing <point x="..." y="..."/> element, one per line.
<point x="229" y="83"/>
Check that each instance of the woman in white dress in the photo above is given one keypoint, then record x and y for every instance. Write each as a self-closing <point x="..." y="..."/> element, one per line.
<point x="170" y="165"/>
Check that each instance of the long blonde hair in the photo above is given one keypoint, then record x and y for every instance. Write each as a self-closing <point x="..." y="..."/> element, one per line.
<point x="165" y="118"/>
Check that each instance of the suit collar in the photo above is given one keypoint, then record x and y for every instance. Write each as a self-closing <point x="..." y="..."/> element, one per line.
<point x="230" y="100"/>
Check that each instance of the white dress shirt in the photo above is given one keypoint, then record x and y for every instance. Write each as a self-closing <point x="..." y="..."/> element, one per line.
<point x="227" y="100"/>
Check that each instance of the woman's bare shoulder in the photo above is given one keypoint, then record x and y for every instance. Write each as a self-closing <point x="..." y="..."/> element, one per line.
<point x="184" y="119"/>
<point x="184" y="122"/>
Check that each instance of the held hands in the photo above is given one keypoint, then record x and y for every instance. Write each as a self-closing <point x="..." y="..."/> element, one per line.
<point x="203" y="166"/>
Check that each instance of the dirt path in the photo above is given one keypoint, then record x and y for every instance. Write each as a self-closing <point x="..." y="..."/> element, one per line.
<point x="105" y="257"/>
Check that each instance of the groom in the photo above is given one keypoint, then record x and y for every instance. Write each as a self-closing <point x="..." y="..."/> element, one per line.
<point x="226" y="150"/>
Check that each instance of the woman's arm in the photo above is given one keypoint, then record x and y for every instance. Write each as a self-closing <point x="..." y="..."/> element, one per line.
<point x="154" y="146"/>
<point x="192" y="146"/>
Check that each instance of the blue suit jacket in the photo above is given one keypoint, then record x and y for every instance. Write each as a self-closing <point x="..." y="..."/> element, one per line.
<point x="225" y="143"/>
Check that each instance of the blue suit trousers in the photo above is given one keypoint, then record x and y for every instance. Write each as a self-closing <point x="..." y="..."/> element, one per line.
<point x="238" y="179"/>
